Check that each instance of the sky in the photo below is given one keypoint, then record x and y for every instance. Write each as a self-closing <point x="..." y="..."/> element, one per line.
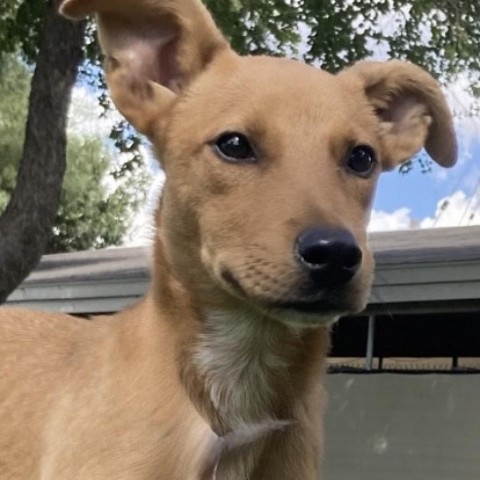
<point x="440" y="198"/>
<point x="436" y="199"/>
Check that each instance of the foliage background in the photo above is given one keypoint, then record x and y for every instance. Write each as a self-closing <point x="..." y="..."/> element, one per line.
<point x="95" y="211"/>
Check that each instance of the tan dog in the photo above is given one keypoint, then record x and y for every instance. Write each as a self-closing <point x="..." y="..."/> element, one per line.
<point x="260" y="245"/>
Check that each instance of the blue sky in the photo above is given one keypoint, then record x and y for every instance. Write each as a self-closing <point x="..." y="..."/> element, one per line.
<point x="421" y="193"/>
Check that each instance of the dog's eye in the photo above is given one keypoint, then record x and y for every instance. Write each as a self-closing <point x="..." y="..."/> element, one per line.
<point x="234" y="147"/>
<point x="362" y="160"/>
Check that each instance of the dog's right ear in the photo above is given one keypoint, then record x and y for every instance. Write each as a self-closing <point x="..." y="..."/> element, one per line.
<point x="153" y="49"/>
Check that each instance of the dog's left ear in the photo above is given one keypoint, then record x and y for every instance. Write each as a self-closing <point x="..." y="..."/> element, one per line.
<point x="411" y="108"/>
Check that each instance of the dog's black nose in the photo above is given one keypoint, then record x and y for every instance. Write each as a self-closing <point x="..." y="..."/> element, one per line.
<point x="332" y="257"/>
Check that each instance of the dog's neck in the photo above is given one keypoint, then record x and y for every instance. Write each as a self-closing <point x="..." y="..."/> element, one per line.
<point x="239" y="367"/>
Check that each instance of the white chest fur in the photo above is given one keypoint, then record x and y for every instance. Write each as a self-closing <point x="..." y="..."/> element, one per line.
<point x="239" y="355"/>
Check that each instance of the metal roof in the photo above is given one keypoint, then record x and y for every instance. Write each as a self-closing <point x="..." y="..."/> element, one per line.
<point x="426" y="270"/>
<point x="421" y="270"/>
<point x="95" y="281"/>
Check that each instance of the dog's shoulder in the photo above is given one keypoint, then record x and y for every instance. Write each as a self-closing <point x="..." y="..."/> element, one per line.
<point x="24" y="324"/>
<point x="39" y="341"/>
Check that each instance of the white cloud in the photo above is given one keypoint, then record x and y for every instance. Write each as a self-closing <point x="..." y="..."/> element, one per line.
<point x="398" y="220"/>
<point x="456" y="210"/>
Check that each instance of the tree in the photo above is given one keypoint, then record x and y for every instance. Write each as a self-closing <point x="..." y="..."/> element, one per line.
<point x="94" y="211"/>
<point x="26" y="223"/>
<point x="442" y="36"/>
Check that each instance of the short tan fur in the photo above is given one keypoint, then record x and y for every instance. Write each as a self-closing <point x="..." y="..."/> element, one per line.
<point x="260" y="245"/>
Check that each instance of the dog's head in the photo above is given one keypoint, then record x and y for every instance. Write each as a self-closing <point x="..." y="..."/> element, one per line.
<point x="271" y="164"/>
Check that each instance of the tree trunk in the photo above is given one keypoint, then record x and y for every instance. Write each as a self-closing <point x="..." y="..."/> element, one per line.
<point x="26" y="224"/>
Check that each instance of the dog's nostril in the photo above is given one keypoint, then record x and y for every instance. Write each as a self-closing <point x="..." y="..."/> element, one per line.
<point x="331" y="256"/>
<point x="315" y="255"/>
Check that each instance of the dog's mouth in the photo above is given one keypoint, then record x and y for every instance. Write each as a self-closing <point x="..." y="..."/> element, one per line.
<point x="229" y="278"/>
<point x="318" y="304"/>
<point x="324" y="306"/>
